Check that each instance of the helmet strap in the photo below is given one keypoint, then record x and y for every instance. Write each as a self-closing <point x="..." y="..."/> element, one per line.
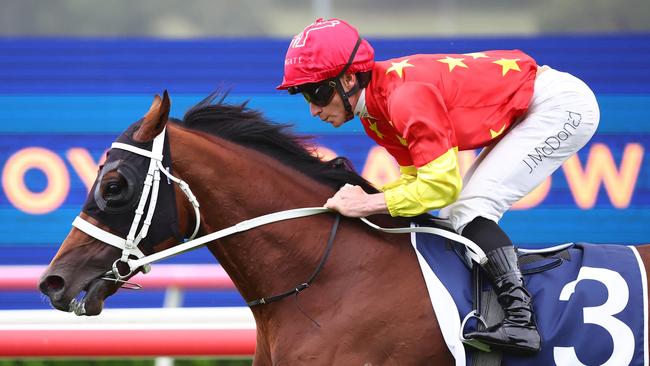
<point x="349" y="113"/>
<point x="355" y="88"/>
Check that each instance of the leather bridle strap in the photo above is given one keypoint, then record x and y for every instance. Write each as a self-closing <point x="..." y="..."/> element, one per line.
<point x="474" y="251"/>
<point x="306" y="284"/>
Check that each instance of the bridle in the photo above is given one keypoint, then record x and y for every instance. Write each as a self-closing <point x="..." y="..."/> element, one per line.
<point x="129" y="245"/>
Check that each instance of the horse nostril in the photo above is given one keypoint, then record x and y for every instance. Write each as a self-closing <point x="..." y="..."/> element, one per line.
<point x="52" y="284"/>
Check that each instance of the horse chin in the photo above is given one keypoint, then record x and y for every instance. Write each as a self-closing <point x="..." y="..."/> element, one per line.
<point x="92" y="302"/>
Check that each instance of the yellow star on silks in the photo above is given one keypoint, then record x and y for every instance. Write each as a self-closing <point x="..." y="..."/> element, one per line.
<point x="495" y="134"/>
<point x="453" y="62"/>
<point x="402" y="140"/>
<point x="373" y="128"/>
<point x="399" y="66"/>
<point x="507" y="64"/>
<point x="476" y="55"/>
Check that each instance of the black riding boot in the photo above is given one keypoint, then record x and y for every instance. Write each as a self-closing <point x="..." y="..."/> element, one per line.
<point x="517" y="333"/>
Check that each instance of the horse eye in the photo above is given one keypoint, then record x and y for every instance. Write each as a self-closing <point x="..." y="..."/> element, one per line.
<point x="112" y="189"/>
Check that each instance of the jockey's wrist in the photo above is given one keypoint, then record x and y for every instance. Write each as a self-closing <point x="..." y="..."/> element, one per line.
<point x="376" y="204"/>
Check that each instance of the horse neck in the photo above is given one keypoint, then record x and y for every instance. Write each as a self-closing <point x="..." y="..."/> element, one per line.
<point x="233" y="184"/>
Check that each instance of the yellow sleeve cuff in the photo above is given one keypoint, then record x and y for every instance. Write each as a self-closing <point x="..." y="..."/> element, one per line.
<point x="437" y="184"/>
<point x="407" y="176"/>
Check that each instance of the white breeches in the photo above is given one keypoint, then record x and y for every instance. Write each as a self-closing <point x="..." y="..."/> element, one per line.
<point x="562" y="117"/>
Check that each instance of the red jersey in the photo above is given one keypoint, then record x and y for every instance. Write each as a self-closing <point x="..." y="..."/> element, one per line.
<point x="420" y="107"/>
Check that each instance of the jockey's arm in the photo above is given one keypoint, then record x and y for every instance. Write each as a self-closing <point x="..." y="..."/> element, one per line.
<point x="436" y="185"/>
<point x="418" y="111"/>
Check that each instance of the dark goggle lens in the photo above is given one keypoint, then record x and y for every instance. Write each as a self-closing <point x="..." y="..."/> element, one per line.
<point x="320" y="95"/>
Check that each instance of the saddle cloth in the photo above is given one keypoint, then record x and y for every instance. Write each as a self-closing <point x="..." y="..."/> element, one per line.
<point x="590" y="310"/>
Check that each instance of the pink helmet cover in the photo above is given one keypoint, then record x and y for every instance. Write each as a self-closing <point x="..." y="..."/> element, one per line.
<point x="322" y="50"/>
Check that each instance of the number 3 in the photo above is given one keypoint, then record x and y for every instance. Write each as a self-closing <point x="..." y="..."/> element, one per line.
<point x="618" y="295"/>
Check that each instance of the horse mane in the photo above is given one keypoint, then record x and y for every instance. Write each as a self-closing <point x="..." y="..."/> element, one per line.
<point x="248" y="127"/>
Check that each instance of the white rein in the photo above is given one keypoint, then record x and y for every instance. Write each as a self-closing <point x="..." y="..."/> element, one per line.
<point x="129" y="246"/>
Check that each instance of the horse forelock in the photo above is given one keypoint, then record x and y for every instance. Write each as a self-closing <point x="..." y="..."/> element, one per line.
<point x="249" y="128"/>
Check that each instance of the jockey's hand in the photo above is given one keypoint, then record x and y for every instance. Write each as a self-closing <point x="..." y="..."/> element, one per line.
<point x="353" y="201"/>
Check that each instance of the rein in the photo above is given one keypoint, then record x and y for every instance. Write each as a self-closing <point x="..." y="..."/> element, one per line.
<point x="129" y="246"/>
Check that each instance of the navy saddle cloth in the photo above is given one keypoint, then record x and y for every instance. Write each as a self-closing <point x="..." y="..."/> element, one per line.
<point x="590" y="302"/>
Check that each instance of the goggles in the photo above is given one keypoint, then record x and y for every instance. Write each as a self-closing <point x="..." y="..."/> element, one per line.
<point x="319" y="94"/>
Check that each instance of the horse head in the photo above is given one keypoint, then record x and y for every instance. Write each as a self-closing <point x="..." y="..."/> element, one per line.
<point x="138" y="206"/>
<point x="114" y="203"/>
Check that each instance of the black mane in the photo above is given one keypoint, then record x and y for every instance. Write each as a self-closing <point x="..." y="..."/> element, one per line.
<point x="247" y="127"/>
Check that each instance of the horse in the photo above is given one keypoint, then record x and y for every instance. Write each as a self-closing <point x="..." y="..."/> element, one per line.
<point x="368" y="304"/>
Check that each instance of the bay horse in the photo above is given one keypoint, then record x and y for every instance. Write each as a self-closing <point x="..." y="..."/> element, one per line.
<point x="369" y="304"/>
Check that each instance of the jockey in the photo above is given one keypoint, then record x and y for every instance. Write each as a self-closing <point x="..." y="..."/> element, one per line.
<point x="423" y="109"/>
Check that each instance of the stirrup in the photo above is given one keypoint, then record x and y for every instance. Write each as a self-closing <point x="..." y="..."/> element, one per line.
<point x="474" y="343"/>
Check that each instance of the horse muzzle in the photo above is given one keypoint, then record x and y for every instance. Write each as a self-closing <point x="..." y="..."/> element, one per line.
<point x="88" y="300"/>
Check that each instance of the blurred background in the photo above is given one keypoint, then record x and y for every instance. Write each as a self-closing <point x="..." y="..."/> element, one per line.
<point x="74" y="74"/>
<point x="283" y="18"/>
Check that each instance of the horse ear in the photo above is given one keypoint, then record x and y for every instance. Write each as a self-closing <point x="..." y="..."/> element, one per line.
<point x="154" y="120"/>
